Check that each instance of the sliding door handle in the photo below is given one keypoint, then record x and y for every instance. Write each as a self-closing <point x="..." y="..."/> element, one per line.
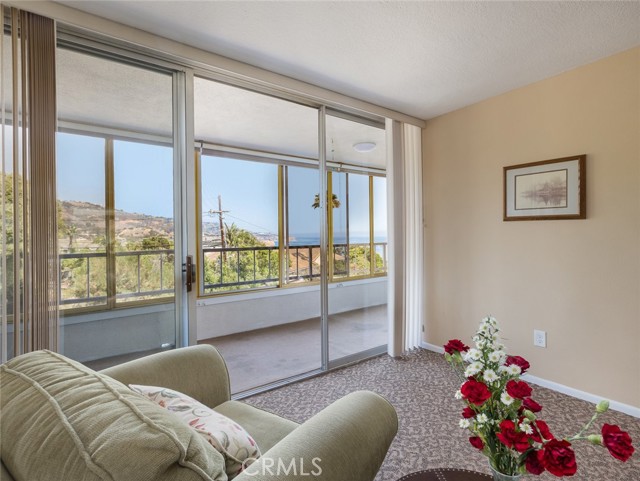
<point x="190" y="271"/>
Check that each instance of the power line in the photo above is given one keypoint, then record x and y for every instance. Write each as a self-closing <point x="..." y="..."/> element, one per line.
<point x="225" y="213"/>
<point x="265" y="229"/>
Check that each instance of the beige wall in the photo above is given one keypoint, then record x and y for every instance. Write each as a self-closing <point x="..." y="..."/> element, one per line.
<point x="577" y="279"/>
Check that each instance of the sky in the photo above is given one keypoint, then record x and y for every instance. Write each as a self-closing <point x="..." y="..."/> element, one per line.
<point x="143" y="174"/>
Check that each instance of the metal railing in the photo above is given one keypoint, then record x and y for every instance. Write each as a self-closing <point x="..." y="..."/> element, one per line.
<point x="235" y="268"/>
<point x="161" y="288"/>
<point x="258" y="266"/>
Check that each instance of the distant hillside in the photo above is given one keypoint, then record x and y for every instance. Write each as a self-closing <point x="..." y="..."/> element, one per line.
<point x="88" y="225"/>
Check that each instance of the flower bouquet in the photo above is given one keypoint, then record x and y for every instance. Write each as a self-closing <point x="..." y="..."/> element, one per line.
<point x="503" y="418"/>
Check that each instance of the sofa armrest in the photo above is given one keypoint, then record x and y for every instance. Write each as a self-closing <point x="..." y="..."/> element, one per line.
<point x="347" y="441"/>
<point x="198" y="371"/>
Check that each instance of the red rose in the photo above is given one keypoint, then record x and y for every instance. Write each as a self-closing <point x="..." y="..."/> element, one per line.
<point x="476" y="442"/>
<point x="518" y="389"/>
<point x="531" y="405"/>
<point x="617" y="442"/>
<point x="534" y="462"/>
<point x="541" y="431"/>
<point x="559" y="459"/>
<point x="511" y="438"/>
<point x="468" y="413"/>
<point x="455" y="345"/>
<point x="475" y="392"/>
<point x="518" y="361"/>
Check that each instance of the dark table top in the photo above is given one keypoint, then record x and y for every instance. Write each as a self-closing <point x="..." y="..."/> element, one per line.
<point x="446" y="474"/>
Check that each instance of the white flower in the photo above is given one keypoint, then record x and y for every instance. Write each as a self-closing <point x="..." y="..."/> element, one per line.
<point x="473" y="369"/>
<point x="496" y="356"/>
<point x="514" y="370"/>
<point x="525" y="427"/>
<point x="490" y="375"/>
<point x="482" y="418"/>
<point x="490" y="320"/>
<point x="506" y="399"/>
<point x="464" y="423"/>
<point x="458" y="394"/>
<point x="503" y="369"/>
<point x="473" y="355"/>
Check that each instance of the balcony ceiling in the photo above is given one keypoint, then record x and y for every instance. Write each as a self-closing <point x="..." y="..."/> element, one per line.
<point x="420" y="58"/>
<point x="96" y="93"/>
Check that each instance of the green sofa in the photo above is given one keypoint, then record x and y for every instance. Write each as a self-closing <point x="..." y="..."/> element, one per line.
<point x="63" y="421"/>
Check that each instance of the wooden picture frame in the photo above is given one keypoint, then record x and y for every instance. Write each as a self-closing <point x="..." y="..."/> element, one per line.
<point x="547" y="190"/>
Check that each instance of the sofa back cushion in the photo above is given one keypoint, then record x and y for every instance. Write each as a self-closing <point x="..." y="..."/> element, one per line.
<point x="61" y="420"/>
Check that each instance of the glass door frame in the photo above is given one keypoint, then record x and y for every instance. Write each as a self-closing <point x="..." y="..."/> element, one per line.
<point x="80" y="41"/>
<point x="328" y="168"/>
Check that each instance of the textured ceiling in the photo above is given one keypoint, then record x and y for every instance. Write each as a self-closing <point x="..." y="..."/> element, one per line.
<point x="419" y="58"/>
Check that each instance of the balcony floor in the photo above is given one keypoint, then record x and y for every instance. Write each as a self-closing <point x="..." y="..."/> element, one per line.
<point x="263" y="356"/>
<point x="267" y="355"/>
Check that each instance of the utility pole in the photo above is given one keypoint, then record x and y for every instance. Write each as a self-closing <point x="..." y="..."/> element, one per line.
<point x="220" y="213"/>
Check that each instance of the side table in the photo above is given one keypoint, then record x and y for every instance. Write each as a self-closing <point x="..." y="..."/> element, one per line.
<point x="446" y="474"/>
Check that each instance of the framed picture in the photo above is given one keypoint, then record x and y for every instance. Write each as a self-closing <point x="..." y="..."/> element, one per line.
<point x="550" y="189"/>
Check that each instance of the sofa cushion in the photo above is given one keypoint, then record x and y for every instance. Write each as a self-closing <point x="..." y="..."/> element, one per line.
<point x="266" y="428"/>
<point x="61" y="420"/>
<point x="235" y="444"/>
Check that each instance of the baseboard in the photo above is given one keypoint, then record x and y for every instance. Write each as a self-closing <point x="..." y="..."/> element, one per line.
<point x="585" y="396"/>
<point x="432" y="347"/>
<point x="561" y="388"/>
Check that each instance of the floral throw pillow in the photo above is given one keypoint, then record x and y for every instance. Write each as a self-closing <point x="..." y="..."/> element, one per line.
<point x="226" y="436"/>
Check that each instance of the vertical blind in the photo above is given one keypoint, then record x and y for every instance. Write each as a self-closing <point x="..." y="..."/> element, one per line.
<point x="29" y="264"/>
<point x="406" y="243"/>
<point x="413" y="243"/>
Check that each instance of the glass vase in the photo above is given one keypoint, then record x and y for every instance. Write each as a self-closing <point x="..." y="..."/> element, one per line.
<point x="504" y="477"/>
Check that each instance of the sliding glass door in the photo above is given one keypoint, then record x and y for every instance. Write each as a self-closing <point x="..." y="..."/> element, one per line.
<point x="118" y="232"/>
<point x="357" y="261"/>
<point x="259" y="245"/>
<point x="291" y="233"/>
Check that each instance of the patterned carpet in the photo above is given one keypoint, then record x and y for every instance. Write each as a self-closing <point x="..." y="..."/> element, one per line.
<point x="421" y="386"/>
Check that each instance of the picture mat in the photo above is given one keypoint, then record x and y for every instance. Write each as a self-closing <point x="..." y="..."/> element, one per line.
<point x="573" y="189"/>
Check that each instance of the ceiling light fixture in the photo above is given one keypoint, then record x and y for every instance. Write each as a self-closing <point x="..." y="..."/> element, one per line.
<point x="364" y="146"/>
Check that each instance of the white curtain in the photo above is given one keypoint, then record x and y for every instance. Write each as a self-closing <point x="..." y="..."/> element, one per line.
<point x="414" y="238"/>
<point x="406" y="260"/>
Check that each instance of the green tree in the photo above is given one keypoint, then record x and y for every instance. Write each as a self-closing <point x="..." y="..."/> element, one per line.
<point x="245" y="267"/>
<point x="359" y="263"/>
<point x="156" y="242"/>
<point x="237" y="237"/>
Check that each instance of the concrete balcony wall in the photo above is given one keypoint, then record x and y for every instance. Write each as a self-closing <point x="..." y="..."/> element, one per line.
<point x="231" y="314"/>
<point x="96" y="335"/>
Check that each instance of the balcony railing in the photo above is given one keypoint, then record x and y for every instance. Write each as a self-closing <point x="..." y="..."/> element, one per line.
<point x="245" y="267"/>
<point x="144" y="273"/>
<point x="134" y="284"/>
